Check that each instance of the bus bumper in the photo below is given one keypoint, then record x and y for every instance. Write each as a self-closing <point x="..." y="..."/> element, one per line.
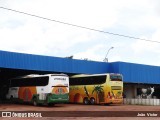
<point x="117" y="101"/>
<point x="58" y="98"/>
<point x="114" y="101"/>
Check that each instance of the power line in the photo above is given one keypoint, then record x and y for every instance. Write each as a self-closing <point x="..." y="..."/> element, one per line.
<point x="116" y="34"/>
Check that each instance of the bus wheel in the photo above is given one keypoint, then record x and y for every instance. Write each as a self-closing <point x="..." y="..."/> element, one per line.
<point x="86" y="101"/>
<point x="11" y="99"/>
<point x="92" y="101"/>
<point x="35" y="102"/>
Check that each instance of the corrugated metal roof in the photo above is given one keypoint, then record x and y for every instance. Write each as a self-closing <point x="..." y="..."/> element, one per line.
<point x="46" y="63"/>
<point x="132" y="73"/>
<point x="137" y="73"/>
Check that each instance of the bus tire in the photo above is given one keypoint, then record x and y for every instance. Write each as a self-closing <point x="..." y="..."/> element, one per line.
<point x="92" y="101"/>
<point x="85" y="101"/>
<point x="35" y="101"/>
<point x="107" y="104"/>
<point x="11" y="99"/>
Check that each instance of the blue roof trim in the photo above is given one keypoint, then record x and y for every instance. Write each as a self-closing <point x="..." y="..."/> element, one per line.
<point x="48" y="63"/>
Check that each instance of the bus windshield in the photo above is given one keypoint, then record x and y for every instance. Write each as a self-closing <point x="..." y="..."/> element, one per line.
<point x="115" y="77"/>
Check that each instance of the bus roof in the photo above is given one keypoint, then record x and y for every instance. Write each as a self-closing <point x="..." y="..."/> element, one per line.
<point x="88" y="75"/>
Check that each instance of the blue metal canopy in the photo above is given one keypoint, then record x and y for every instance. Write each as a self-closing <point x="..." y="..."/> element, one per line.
<point x="47" y="63"/>
<point x="132" y="73"/>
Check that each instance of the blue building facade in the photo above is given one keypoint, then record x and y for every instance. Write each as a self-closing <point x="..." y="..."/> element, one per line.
<point x="47" y="63"/>
<point x="136" y="73"/>
<point x="132" y="73"/>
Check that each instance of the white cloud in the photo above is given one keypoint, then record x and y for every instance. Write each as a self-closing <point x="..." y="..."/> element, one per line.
<point x="31" y="34"/>
<point x="91" y="54"/>
<point x="22" y="33"/>
<point x="142" y="47"/>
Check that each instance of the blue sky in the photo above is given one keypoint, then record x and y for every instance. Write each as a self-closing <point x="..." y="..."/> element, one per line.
<point x="137" y="18"/>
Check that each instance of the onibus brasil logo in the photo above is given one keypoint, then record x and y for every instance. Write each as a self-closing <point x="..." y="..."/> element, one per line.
<point x="21" y="114"/>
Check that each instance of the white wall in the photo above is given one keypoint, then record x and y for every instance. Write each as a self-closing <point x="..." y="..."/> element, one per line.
<point x="152" y="102"/>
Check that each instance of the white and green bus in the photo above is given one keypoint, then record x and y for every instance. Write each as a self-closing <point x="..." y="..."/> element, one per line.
<point x="40" y="89"/>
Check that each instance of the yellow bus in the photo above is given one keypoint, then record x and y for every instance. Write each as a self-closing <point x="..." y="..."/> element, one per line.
<point x="46" y="89"/>
<point x="96" y="89"/>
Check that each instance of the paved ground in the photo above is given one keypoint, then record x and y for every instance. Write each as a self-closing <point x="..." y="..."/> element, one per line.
<point x="86" y="112"/>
